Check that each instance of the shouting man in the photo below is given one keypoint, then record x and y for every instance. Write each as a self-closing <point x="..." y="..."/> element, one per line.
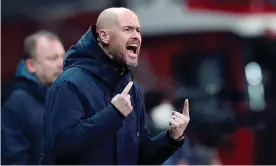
<point x="95" y="113"/>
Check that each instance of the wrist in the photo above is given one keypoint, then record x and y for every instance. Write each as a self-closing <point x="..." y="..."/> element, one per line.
<point x="180" y="138"/>
<point x="118" y="111"/>
<point x="174" y="142"/>
<point x="176" y="138"/>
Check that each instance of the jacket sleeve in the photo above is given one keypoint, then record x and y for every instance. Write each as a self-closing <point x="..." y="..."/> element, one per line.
<point x="155" y="150"/>
<point x="67" y="127"/>
<point x="15" y="146"/>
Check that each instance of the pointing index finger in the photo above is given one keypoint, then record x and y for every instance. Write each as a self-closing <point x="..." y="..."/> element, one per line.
<point x="127" y="88"/>
<point x="186" y="108"/>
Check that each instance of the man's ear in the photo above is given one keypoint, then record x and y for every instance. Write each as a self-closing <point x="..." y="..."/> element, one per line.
<point x="104" y="36"/>
<point x="30" y="65"/>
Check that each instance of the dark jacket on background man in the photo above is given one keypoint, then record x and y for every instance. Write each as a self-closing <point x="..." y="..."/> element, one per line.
<point x="21" y="116"/>
<point x="82" y="127"/>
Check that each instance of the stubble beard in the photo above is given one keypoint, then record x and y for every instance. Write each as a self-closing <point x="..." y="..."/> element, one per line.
<point x="123" y="61"/>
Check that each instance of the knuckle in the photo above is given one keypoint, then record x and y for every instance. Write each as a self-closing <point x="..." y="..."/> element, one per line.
<point x="177" y="113"/>
<point x="126" y="98"/>
<point x="184" y="122"/>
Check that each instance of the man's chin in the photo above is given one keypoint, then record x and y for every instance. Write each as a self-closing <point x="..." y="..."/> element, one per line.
<point x="132" y="64"/>
<point x="128" y="62"/>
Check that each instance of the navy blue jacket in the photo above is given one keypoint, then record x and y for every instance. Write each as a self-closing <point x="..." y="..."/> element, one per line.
<point x="22" y="115"/>
<point x="83" y="127"/>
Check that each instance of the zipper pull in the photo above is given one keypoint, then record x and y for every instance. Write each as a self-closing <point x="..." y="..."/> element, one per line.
<point x="137" y="133"/>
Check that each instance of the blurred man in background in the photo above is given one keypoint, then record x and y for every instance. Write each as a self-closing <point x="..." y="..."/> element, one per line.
<point x="22" y="113"/>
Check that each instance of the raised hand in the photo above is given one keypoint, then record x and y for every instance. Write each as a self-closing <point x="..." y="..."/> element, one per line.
<point x="122" y="101"/>
<point x="179" y="122"/>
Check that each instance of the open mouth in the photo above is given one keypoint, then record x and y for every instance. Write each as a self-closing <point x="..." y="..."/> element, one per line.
<point x="132" y="48"/>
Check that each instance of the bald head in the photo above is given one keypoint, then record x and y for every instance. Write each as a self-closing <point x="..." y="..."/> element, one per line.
<point x="119" y="35"/>
<point x="111" y="17"/>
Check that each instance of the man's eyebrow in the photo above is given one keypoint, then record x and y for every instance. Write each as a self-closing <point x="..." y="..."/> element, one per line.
<point x="128" y="26"/>
<point x="132" y="27"/>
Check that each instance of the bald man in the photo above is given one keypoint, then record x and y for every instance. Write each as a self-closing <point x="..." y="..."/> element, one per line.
<point x="95" y="113"/>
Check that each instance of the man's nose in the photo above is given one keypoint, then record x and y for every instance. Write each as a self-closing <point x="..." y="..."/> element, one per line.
<point x="136" y="36"/>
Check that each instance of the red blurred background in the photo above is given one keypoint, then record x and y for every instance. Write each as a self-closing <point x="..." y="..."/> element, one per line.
<point x="159" y="50"/>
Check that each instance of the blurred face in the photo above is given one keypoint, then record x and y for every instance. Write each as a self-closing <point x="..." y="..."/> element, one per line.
<point x="48" y="61"/>
<point x="125" y="39"/>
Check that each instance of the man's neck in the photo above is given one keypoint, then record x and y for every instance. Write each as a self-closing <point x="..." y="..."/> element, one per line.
<point x="106" y="51"/>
